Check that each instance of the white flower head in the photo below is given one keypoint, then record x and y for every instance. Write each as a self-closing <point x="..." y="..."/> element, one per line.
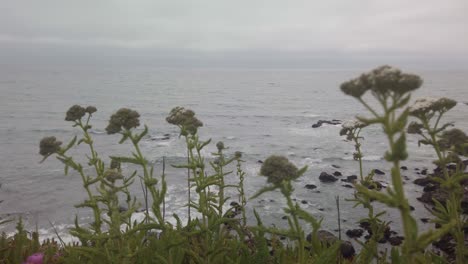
<point x="426" y="105"/>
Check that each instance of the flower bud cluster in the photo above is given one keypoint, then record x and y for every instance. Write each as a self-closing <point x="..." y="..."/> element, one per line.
<point x="415" y="128"/>
<point x="185" y="118"/>
<point x="76" y="112"/>
<point x="452" y="138"/>
<point x="382" y="80"/>
<point x="348" y="127"/>
<point x="49" y="145"/>
<point x="124" y="118"/>
<point x="427" y="105"/>
<point x="278" y="169"/>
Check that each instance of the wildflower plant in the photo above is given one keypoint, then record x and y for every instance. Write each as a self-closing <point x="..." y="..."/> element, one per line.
<point x="280" y="173"/>
<point x="392" y="88"/>
<point x="352" y="129"/>
<point x="449" y="145"/>
<point x="108" y="235"/>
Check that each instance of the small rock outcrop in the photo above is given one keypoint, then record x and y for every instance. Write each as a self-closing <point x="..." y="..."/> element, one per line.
<point x="325" y="177"/>
<point x="329" y="122"/>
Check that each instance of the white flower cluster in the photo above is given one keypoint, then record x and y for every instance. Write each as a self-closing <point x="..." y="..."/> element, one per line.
<point x="351" y="124"/>
<point x="426" y="105"/>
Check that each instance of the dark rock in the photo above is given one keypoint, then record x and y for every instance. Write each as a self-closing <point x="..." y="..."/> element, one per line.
<point x="348" y="186"/>
<point x="304" y="202"/>
<point x="423" y="181"/>
<point x="406" y="178"/>
<point x="337" y="174"/>
<point x="335" y="166"/>
<point x="347" y="249"/>
<point x="425" y="220"/>
<point x="430" y="187"/>
<point x="330" y="122"/>
<point x="351" y="178"/>
<point x="366" y="225"/>
<point x="396" y="240"/>
<point x="260" y="161"/>
<point x="379" y="172"/>
<point x="416" y="169"/>
<point x="404" y="168"/>
<point x="310" y="186"/>
<point x="424" y="172"/>
<point x="438" y="194"/>
<point x="325" y="177"/>
<point x="352" y="233"/>
<point x="446" y="244"/>
<point x="321" y="209"/>
<point x="411" y="208"/>
<point x="374" y="185"/>
<point x="284" y="218"/>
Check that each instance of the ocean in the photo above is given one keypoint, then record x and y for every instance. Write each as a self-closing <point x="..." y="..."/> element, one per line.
<point x="259" y="112"/>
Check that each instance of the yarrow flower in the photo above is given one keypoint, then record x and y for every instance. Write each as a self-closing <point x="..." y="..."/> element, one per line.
<point x="415" y="128"/>
<point x="123" y="118"/>
<point x="423" y="106"/>
<point x="382" y="80"/>
<point x="452" y="138"/>
<point x="278" y="169"/>
<point x="184" y="118"/>
<point x="220" y="145"/>
<point x="348" y="126"/>
<point x="91" y="109"/>
<point x="49" y="145"/>
<point x="75" y="113"/>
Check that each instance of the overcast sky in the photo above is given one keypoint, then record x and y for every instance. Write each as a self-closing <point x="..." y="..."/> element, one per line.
<point x="288" y="29"/>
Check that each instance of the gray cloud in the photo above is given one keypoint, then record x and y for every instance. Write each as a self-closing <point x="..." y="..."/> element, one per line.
<point x="420" y="27"/>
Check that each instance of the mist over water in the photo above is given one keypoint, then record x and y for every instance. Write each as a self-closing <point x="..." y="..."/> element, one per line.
<point x="258" y="112"/>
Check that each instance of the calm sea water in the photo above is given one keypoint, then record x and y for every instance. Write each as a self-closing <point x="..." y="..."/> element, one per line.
<point x="257" y="112"/>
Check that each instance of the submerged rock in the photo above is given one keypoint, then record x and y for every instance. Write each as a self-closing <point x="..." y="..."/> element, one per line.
<point x="330" y="122"/>
<point x="310" y="186"/>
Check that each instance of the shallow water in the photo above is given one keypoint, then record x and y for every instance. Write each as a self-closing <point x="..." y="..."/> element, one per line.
<point x="257" y="112"/>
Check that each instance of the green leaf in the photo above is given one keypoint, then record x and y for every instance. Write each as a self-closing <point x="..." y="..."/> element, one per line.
<point x="330" y="255"/>
<point x="400" y="123"/>
<point x="263" y="190"/>
<point x="127" y="160"/>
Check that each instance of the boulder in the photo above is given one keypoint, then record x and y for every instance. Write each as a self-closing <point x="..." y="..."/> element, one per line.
<point x="310" y="186"/>
<point x="325" y="177"/>
<point x="352" y="233"/>
<point x="396" y="240"/>
<point x="423" y="181"/>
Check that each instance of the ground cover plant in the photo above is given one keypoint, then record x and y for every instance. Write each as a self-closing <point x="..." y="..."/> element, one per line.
<point x="218" y="231"/>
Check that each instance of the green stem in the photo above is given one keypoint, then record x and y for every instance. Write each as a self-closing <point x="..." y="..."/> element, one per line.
<point x="297" y="228"/>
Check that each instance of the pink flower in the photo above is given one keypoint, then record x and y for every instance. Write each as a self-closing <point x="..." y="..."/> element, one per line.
<point x="36" y="258"/>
